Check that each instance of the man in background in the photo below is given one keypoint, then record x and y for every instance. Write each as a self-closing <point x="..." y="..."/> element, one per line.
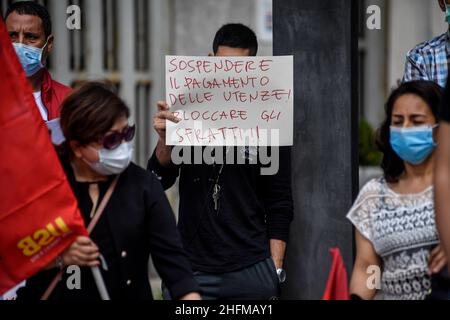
<point x="429" y="60"/>
<point x="234" y="222"/>
<point x="30" y="28"/>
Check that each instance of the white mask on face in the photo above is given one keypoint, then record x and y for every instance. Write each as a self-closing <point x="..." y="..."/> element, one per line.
<point x="113" y="162"/>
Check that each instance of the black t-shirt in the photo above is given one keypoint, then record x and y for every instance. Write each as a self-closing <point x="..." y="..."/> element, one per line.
<point x="252" y="209"/>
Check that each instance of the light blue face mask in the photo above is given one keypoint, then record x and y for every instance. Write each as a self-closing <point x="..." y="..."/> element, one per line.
<point x="30" y="58"/>
<point x="413" y="145"/>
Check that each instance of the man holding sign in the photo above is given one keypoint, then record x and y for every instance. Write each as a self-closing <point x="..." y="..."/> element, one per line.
<point x="233" y="219"/>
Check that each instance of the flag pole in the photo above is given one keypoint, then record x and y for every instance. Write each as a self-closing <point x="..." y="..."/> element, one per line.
<point x="100" y="283"/>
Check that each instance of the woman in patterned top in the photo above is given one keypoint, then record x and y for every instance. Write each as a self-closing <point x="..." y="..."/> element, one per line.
<point x="396" y="238"/>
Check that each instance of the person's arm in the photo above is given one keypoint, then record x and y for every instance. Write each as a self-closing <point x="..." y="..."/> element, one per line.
<point x="165" y="245"/>
<point x="278" y="250"/>
<point x="437" y="260"/>
<point x="442" y="186"/>
<point x="279" y="205"/>
<point x="191" y="296"/>
<point x="166" y="175"/>
<point x="365" y="258"/>
<point x="163" y="151"/>
<point x="415" y="67"/>
<point x="160" y="163"/>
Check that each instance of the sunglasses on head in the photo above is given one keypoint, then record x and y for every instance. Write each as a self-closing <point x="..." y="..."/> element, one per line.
<point x="112" y="140"/>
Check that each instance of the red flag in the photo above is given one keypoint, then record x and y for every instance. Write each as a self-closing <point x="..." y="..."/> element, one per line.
<point x="337" y="285"/>
<point x="39" y="216"/>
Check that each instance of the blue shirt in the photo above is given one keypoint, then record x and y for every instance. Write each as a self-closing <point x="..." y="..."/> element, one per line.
<point x="429" y="61"/>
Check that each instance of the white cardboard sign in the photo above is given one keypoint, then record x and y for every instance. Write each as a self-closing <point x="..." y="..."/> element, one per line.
<point x="230" y="101"/>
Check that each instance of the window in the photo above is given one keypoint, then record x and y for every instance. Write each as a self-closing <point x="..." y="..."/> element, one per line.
<point x="78" y="42"/>
<point x="143" y="121"/>
<point x="110" y="41"/>
<point x="142" y="38"/>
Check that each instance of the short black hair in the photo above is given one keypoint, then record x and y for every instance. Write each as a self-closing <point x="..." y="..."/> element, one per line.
<point x="430" y="92"/>
<point x="236" y="35"/>
<point x="33" y="9"/>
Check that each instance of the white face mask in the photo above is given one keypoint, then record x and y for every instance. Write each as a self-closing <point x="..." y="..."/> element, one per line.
<point x="113" y="162"/>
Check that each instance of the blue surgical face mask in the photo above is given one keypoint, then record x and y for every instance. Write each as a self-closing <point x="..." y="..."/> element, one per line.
<point x="30" y="58"/>
<point x="413" y="145"/>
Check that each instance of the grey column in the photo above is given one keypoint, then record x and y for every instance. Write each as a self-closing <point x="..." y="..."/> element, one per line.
<point x="325" y="155"/>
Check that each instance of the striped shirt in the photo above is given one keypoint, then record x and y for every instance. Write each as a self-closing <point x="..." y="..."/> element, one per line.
<point x="429" y="61"/>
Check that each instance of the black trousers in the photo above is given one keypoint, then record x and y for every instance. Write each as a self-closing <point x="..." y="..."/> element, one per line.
<point x="256" y="282"/>
<point x="440" y="286"/>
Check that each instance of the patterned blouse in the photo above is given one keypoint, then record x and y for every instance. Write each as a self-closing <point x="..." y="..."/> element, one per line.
<point x="403" y="231"/>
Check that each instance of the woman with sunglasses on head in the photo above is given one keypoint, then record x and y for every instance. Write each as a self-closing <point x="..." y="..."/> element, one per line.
<point x="137" y="220"/>
<point x="397" y="244"/>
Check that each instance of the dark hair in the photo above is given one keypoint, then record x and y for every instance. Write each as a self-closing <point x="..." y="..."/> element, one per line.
<point x="236" y="35"/>
<point x="33" y="9"/>
<point x="89" y="112"/>
<point x="430" y="92"/>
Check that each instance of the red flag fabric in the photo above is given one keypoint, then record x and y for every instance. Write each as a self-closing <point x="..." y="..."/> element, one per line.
<point x="337" y="285"/>
<point x="39" y="216"/>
